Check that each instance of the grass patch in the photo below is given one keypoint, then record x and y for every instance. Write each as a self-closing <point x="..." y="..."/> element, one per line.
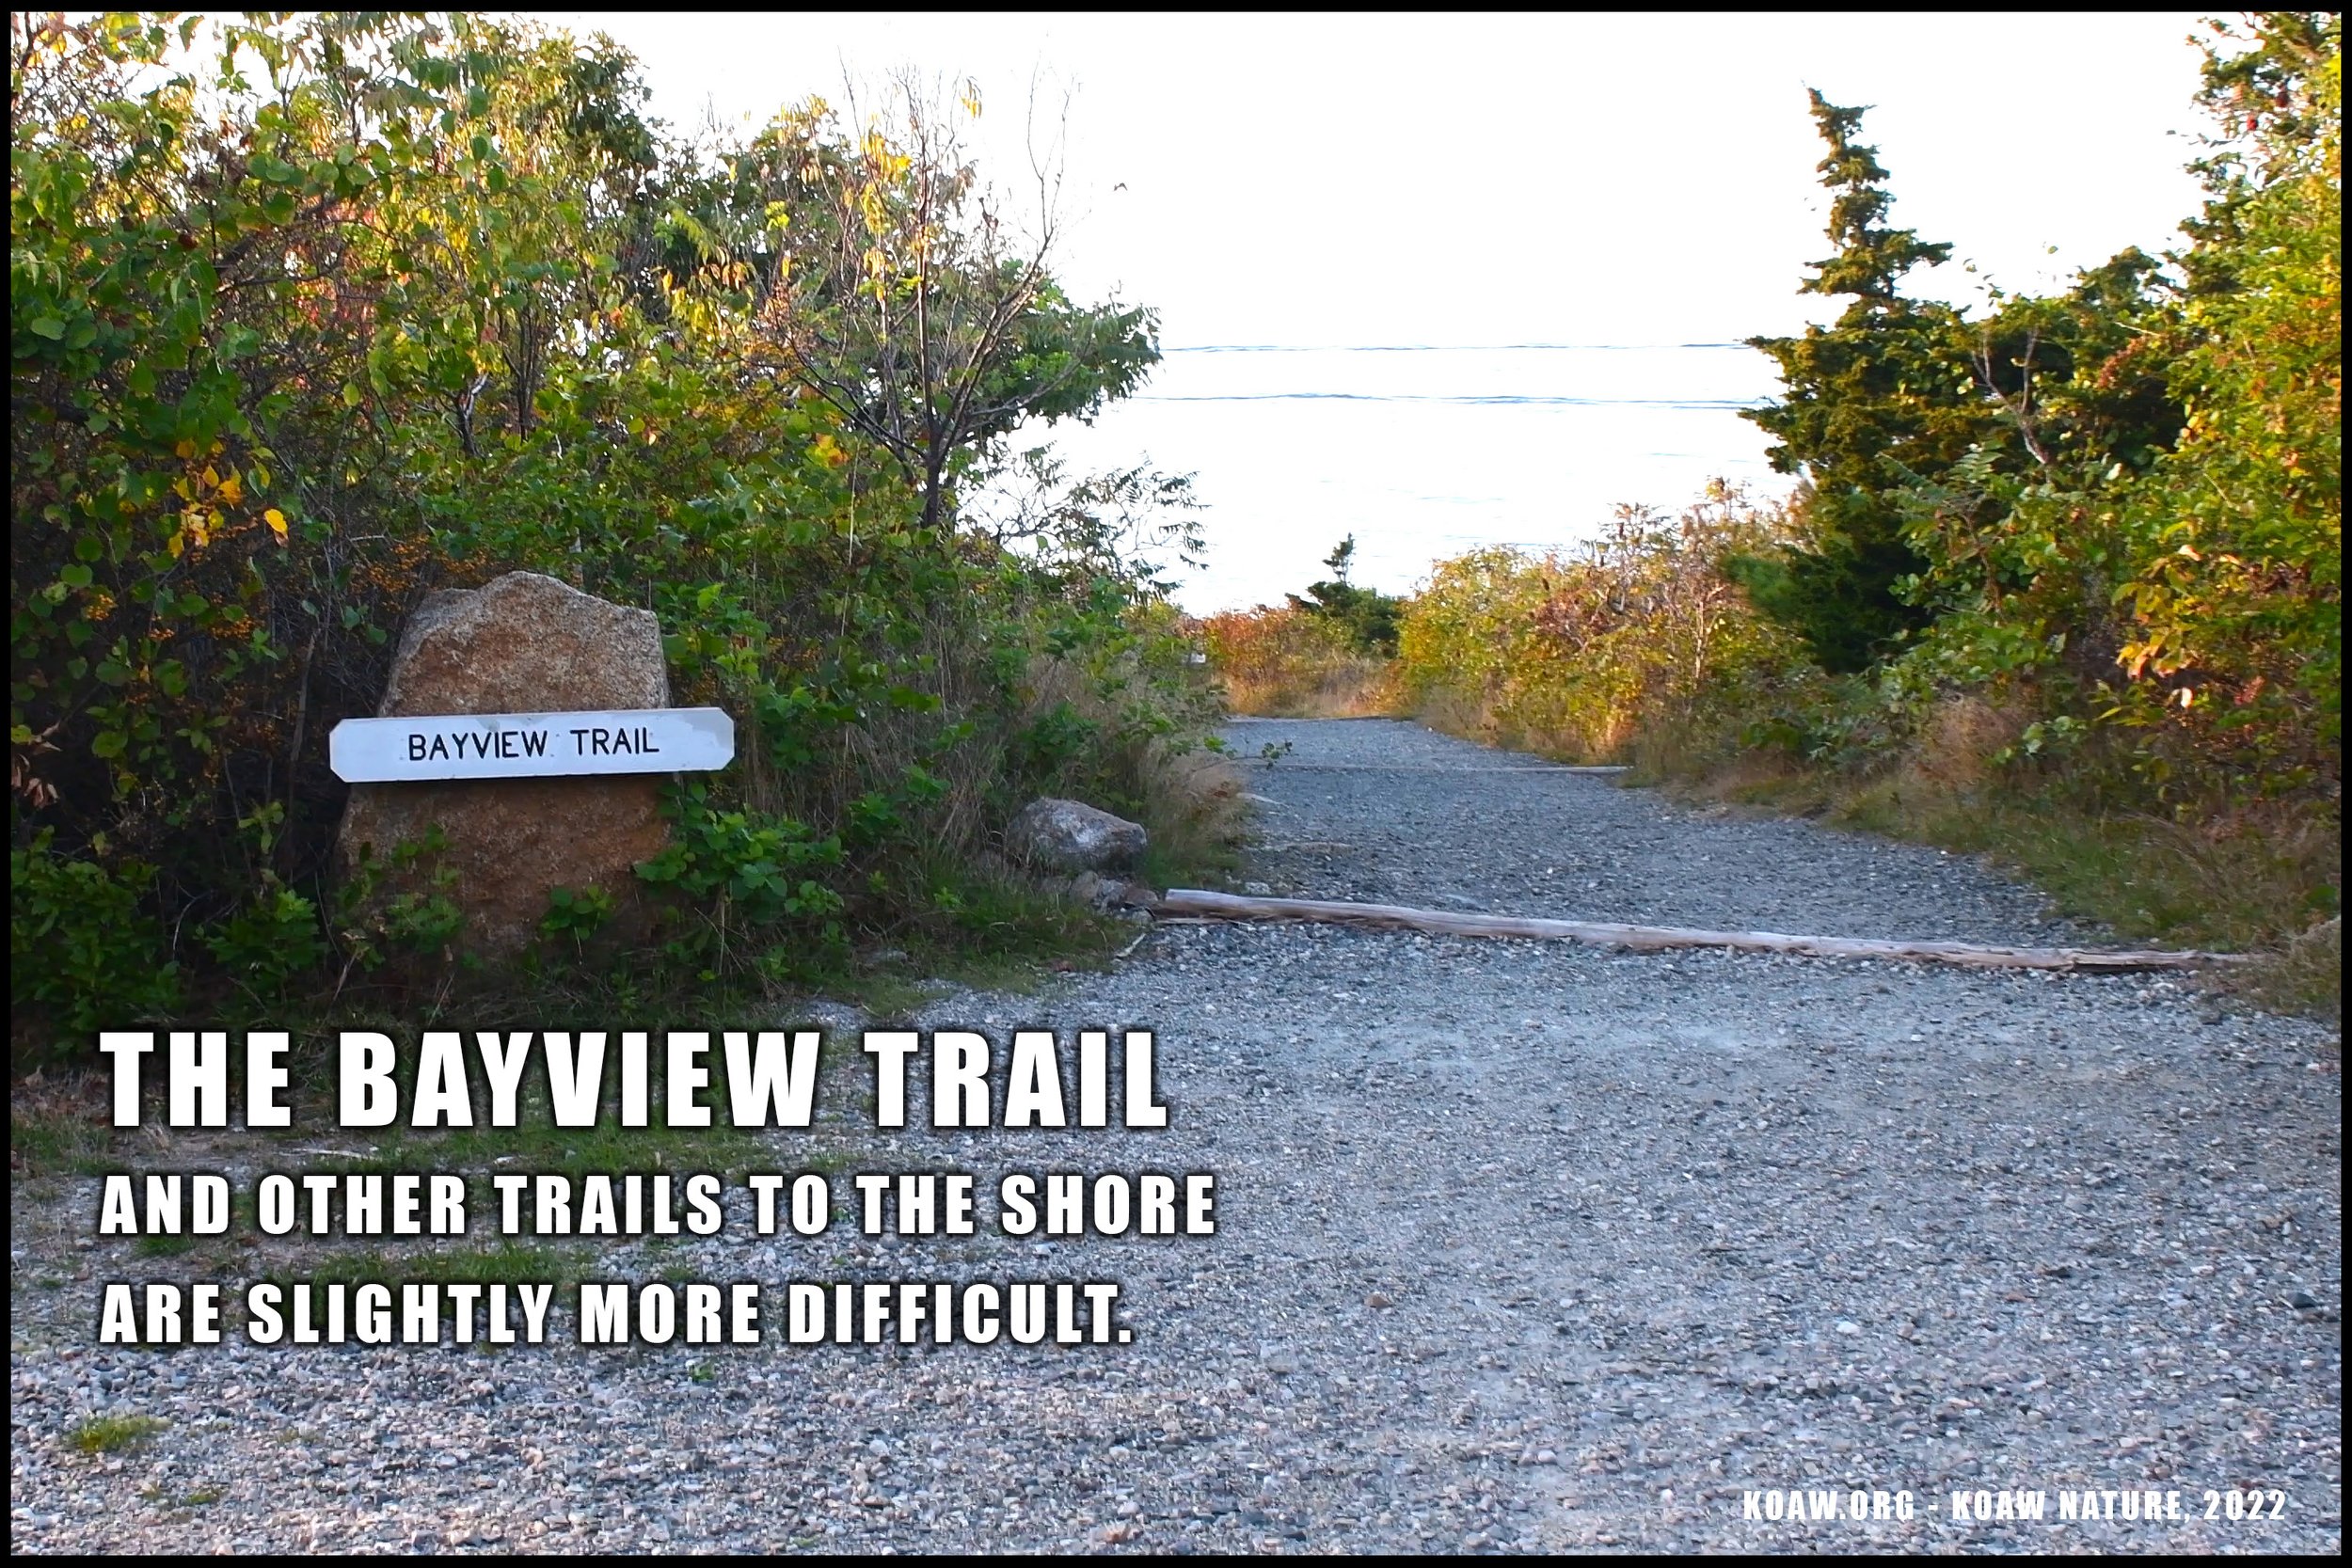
<point x="1348" y="687"/>
<point x="2262" y="880"/>
<point x="113" y="1434"/>
<point x="62" y="1126"/>
<point x="160" y="1245"/>
<point x="994" y="929"/>
<point x="2304" y="975"/>
<point x="889" y="998"/>
<point x="63" y="1145"/>
<point x="2235" y="886"/>
<point x="1197" y="808"/>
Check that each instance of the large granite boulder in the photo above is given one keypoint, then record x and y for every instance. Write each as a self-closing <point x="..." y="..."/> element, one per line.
<point x="1069" y="837"/>
<point x="523" y="643"/>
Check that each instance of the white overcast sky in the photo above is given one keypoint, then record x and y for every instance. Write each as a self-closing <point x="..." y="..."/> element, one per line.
<point x="1474" y="182"/>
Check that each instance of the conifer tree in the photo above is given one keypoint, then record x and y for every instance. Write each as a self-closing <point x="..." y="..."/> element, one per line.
<point x="1369" y="617"/>
<point x="1872" y="400"/>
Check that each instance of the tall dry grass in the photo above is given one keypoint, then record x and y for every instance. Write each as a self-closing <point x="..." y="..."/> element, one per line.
<point x="1191" y="802"/>
<point x="1284" y="662"/>
<point x="2261" y="878"/>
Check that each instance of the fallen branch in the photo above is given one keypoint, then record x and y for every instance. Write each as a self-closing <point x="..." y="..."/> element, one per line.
<point x="1659" y="939"/>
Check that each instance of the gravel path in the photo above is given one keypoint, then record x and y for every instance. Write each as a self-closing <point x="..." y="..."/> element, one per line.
<point x="1522" y="1246"/>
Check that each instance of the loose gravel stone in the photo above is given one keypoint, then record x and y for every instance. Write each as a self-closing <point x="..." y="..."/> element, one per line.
<point x="1522" y="1246"/>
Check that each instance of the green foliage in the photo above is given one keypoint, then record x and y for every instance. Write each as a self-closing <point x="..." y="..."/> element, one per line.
<point x="2233" y="579"/>
<point x="1877" y="392"/>
<point x="1573" y="654"/>
<point x="312" y="314"/>
<point x="1329" y="654"/>
<point x="422" y="919"/>
<point x="2119" y="667"/>
<point x="1368" y="618"/>
<point x="113" y="1433"/>
<point x="745" y="873"/>
<point x="914" y="308"/>
<point x="2119" y="506"/>
<point x="2151" y="536"/>
<point x="275" y="939"/>
<point x="1056" y="738"/>
<point x="2061" y="581"/>
<point x="81" y="942"/>
<point x="576" y="913"/>
<point x="272" y="943"/>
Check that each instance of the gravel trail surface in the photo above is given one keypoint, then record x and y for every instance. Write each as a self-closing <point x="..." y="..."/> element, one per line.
<point x="1522" y="1246"/>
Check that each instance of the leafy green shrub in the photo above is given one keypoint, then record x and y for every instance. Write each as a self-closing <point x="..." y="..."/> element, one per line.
<point x="276" y="940"/>
<point x="1573" y="654"/>
<point x="2119" y="506"/>
<point x="745" y="879"/>
<point x="1368" y="618"/>
<point x="578" y="912"/>
<point x="1055" y="739"/>
<point x="367" y="304"/>
<point x="83" y="948"/>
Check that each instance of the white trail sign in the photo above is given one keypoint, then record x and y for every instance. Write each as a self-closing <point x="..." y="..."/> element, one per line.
<point x="530" y="745"/>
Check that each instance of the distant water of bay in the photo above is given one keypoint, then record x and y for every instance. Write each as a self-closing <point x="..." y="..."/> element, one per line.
<point x="1425" y="451"/>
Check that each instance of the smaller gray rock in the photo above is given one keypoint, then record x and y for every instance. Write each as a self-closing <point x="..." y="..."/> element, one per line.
<point x="1108" y="893"/>
<point x="1069" y="837"/>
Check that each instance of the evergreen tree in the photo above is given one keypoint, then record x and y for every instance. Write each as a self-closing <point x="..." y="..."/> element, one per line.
<point x="1369" y="617"/>
<point x="1877" y="398"/>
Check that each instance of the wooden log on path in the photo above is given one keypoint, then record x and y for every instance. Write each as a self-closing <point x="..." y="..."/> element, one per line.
<point x="1196" y="903"/>
<point x="1289" y="766"/>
